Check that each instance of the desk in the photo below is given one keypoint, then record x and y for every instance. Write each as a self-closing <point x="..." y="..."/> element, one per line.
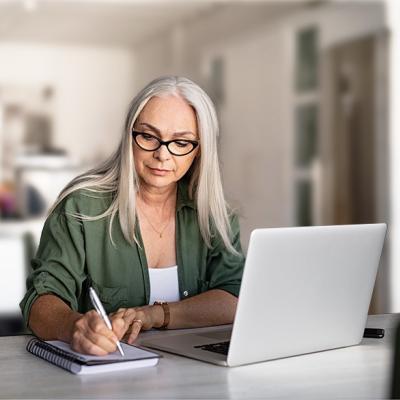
<point x="355" y="372"/>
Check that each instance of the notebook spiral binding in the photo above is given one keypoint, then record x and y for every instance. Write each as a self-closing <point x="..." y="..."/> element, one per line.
<point x="52" y="354"/>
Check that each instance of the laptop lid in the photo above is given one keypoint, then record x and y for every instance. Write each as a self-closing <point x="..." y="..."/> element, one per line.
<point x="305" y="290"/>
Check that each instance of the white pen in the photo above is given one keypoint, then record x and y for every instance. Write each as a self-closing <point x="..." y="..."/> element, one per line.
<point x="100" y="309"/>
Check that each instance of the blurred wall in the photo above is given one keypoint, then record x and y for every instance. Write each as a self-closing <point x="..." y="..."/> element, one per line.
<point x="92" y="89"/>
<point x="256" y="113"/>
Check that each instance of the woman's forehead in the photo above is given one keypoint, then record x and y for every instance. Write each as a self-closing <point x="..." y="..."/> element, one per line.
<point x="169" y="112"/>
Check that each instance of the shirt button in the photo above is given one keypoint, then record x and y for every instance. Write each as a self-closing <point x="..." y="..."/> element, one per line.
<point x="185" y="293"/>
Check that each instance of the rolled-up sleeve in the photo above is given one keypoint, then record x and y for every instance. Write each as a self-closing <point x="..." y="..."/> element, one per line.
<point x="58" y="267"/>
<point x="225" y="269"/>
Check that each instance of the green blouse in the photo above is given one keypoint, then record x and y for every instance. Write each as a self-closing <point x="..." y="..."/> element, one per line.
<point x="74" y="254"/>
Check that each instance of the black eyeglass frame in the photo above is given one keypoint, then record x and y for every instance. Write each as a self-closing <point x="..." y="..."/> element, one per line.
<point x="194" y="143"/>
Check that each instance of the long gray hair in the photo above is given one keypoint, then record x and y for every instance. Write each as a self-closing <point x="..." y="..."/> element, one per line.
<point x="118" y="176"/>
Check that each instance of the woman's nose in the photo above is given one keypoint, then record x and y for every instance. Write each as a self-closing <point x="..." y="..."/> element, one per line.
<point x="162" y="153"/>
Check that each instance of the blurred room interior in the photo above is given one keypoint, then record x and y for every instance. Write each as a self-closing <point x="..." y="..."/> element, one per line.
<point x="303" y="89"/>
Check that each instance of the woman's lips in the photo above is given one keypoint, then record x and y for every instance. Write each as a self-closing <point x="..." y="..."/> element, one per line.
<point x="159" y="172"/>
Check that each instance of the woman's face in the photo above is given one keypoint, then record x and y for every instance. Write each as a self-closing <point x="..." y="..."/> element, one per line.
<point x="168" y="118"/>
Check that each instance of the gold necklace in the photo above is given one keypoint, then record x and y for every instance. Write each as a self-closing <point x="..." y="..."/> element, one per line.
<point x="154" y="229"/>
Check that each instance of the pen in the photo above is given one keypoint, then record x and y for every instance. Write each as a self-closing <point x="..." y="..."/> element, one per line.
<point x="100" y="309"/>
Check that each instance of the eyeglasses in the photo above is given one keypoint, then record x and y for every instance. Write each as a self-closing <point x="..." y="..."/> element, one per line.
<point x="177" y="147"/>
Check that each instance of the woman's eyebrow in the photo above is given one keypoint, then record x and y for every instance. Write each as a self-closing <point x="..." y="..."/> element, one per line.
<point x="153" y="128"/>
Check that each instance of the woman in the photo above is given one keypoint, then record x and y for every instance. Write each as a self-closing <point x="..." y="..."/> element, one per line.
<point x="149" y="230"/>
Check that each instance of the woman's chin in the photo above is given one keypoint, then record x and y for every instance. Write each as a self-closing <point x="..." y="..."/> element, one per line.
<point x="158" y="181"/>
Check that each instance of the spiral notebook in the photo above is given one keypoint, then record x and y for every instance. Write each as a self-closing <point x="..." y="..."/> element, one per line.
<point x="60" y="354"/>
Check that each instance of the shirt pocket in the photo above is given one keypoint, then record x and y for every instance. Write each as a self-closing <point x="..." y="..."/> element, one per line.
<point x="112" y="298"/>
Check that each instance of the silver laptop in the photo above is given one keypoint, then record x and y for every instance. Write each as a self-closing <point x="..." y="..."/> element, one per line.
<point x="303" y="290"/>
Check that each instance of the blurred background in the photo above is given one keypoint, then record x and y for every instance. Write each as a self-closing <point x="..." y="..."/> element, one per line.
<point x="306" y="93"/>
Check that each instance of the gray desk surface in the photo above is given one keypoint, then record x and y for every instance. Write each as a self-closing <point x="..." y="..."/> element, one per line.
<point x="355" y="372"/>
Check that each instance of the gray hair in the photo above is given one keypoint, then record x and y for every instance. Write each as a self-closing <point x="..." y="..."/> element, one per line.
<point x="118" y="174"/>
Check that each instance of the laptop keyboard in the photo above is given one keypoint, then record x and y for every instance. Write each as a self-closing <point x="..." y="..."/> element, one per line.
<point x="221" y="348"/>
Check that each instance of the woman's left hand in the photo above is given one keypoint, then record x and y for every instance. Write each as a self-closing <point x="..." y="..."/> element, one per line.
<point x="128" y="322"/>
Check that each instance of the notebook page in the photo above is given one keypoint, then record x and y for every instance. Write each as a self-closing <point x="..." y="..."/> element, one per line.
<point x="131" y="353"/>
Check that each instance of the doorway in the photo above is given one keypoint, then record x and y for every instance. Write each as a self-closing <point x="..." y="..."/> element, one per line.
<point x="354" y="143"/>
<point x="353" y="125"/>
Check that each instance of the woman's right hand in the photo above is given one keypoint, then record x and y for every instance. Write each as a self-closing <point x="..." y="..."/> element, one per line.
<point x="52" y="319"/>
<point x="90" y="335"/>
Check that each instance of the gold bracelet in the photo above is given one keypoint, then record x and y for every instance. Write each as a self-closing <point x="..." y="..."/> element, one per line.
<point x="165" y="308"/>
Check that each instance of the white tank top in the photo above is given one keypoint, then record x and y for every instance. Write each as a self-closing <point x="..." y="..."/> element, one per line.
<point x="164" y="284"/>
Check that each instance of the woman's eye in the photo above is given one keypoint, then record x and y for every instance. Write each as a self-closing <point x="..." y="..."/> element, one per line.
<point x="181" y="143"/>
<point x="147" y="136"/>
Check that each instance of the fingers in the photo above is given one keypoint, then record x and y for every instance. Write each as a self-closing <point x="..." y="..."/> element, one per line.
<point x="143" y="321"/>
<point x="122" y="320"/>
<point x="85" y="346"/>
<point x="100" y="335"/>
<point x="119" y="327"/>
<point x="136" y="328"/>
<point x="119" y="313"/>
<point x="91" y="335"/>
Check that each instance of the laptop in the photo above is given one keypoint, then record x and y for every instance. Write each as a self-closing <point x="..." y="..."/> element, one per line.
<point x="303" y="290"/>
